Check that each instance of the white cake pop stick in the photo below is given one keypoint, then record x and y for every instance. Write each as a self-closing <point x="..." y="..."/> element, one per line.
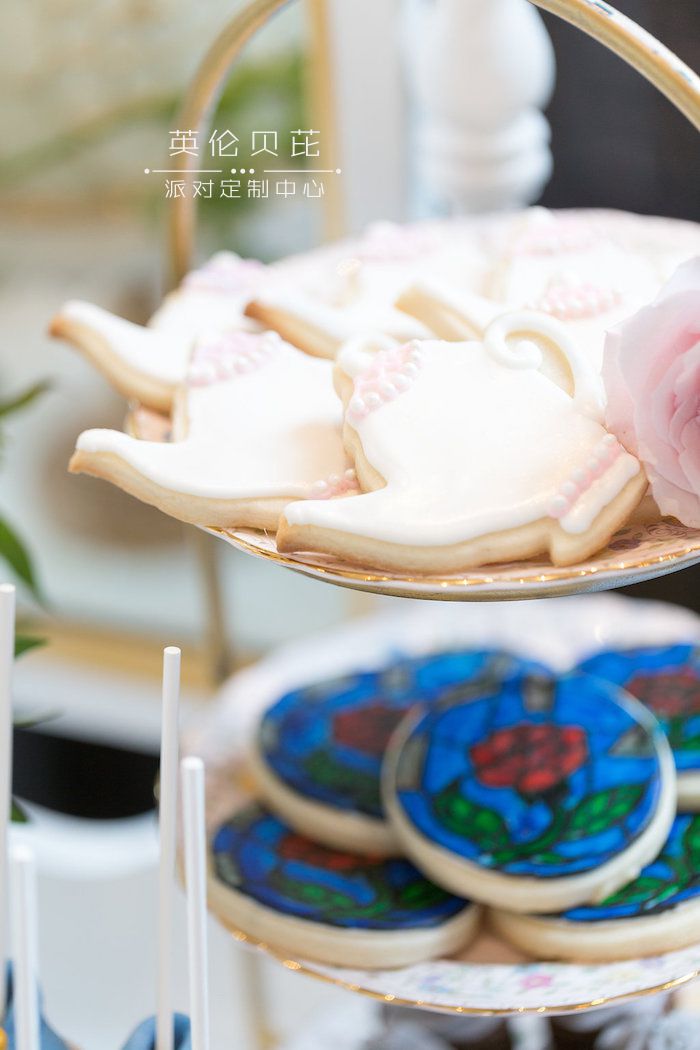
<point x="7" y="652"/>
<point x="25" y="943"/>
<point x="169" y="757"/>
<point x="195" y="872"/>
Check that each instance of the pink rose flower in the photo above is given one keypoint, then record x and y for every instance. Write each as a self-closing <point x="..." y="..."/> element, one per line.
<point x="651" y="372"/>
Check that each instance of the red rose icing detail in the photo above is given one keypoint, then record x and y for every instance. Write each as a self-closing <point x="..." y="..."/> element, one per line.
<point x="296" y="847"/>
<point x="367" y="730"/>
<point x="530" y="758"/>
<point x="673" y="695"/>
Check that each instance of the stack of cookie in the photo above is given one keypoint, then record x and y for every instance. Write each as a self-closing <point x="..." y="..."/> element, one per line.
<point x="462" y="424"/>
<point x="400" y="808"/>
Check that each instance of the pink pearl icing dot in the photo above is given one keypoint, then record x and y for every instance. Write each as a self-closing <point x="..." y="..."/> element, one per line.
<point x="226" y="274"/>
<point x="336" y="485"/>
<point x="390" y="374"/>
<point x="599" y="461"/>
<point x="554" y="236"/>
<point x="573" y="302"/>
<point x="223" y="355"/>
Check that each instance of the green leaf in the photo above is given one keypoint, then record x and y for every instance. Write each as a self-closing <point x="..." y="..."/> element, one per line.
<point x="18" y="815"/>
<point x="421" y="894"/>
<point x="691" y="841"/>
<point x="602" y="810"/>
<point x="548" y="857"/>
<point x="644" y="888"/>
<point x="23" y="643"/>
<point x="688" y="743"/>
<point x="466" y="818"/>
<point x="23" y="399"/>
<point x="32" y="721"/>
<point x="13" y="551"/>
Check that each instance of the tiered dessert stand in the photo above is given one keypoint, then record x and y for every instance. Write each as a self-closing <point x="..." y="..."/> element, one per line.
<point x="490" y="978"/>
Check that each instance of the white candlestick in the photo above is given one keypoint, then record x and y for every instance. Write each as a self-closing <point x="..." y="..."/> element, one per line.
<point x="195" y="871"/>
<point x="479" y="72"/>
<point x="26" y="952"/>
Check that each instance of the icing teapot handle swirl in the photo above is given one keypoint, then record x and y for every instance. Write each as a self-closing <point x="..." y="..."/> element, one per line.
<point x="507" y="339"/>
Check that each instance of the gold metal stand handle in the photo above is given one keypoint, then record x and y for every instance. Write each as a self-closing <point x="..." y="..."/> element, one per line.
<point x="594" y="17"/>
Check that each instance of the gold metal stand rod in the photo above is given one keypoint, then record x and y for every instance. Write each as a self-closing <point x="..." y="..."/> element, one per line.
<point x="198" y="105"/>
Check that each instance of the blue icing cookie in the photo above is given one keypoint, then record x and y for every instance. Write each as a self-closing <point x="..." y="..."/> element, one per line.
<point x="258" y="856"/>
<point x="546" y="783"/>
<point x="672" y="879"/>
<point x="326" y="741"/>
<point x="658" y="911"/>
<point x="667" y="680"/>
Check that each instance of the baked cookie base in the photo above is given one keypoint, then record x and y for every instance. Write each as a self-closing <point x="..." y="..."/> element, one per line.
<point x="688" y="792"/>
<point x="260" y="513"/>
<point x="612" y="940"/>
<point x="340" y="829"/>
<point x="126" y="379"/>
<point x="545" y="536"/>
<point x="335" y="946"/>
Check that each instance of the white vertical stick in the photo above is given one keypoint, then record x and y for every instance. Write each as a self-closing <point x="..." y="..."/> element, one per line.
<point x="195" y="871"/>
<point x="7" y="654"/>
<point x="169" y="758"/>
<point x="25" y="942"/>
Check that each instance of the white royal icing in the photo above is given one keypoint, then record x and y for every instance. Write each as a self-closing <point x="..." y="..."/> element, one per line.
<point x="569" y="265"/>
<point x="587" y="269"/>
<point x="472" y="439"/>
<point x="212" y="297"/>
<point x="341" y="323"/>
<point x="151" y="352"/>
<point x="260" y="419"/>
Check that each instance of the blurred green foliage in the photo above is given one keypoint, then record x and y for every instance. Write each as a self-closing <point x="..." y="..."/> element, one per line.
<point x="266" y="93"/>
<point x="13" y="553"/>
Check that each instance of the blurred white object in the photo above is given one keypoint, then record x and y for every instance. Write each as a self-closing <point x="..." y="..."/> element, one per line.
<point x="195" y="846"/>
<point x="367" y="109"/>
<point x="529" y="629"/>
<point x="25" y="939"/>
<point x="639" y="1029"/>
<point x="167" y="826"/>
<point x="479" y="72"/>
<point x="98" y="900"/>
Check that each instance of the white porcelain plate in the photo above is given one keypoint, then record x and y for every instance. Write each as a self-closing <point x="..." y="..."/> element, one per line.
<point x="646" y="547"/>
<point x="490" y="977"/>
<point x="638" y="552"/>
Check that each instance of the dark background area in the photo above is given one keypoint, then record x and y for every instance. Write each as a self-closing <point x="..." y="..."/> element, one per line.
<point x="618" y="143"/>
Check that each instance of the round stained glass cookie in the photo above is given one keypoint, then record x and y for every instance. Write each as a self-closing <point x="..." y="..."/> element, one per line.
<point x="667" y="680"/>
<point x="656" y="912"/>
<point x="318" y="753"/>
<point x="535" y="792"/>
<point x="281" y="888"/>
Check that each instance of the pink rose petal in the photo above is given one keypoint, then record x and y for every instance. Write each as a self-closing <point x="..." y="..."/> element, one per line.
<point x="651" y="372"/>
